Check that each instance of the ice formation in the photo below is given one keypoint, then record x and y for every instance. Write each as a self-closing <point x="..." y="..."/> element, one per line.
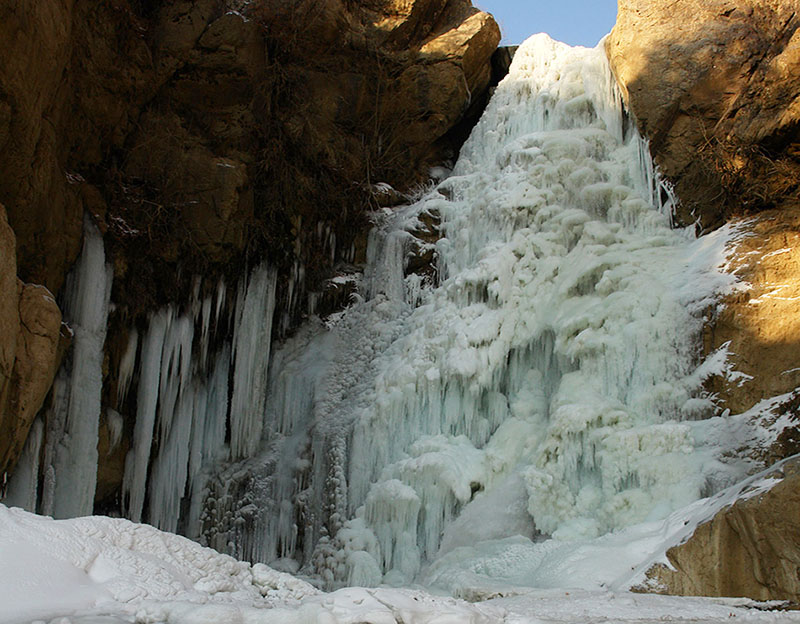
<point x="183" y="397"/>
<point x="544" y="385"/>
<point x="538" y="380"/>
<point x="71" y="452"/>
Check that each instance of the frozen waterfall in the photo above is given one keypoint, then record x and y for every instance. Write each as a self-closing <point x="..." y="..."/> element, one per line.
<point x="543" y="385"/>
<point x="528" y="383"/>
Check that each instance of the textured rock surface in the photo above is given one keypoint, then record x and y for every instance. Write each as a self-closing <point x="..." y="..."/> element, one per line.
<point x="183" y="118"/>
<point x="715" y="85"/>
<point x="9" y="300"/>
<point x="29" y="336"/>
<point x="759" y="326"/>
<point x="749" y="549"/>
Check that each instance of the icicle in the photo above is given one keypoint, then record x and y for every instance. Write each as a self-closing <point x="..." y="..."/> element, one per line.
<point x="115" y="424"/>
<point x="136" y="464"/>
<point x="127" y="365"/>
<point x="86" y="308"/>
<point x="251" y="348"/>
<point x="24" y="483"/>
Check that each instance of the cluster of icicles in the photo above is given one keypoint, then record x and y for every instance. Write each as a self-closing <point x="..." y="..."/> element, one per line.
<point x="544" y="386"/>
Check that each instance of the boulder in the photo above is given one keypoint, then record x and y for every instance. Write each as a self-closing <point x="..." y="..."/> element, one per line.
<point x="715" y="86"/>
<point x="30" y="323"/>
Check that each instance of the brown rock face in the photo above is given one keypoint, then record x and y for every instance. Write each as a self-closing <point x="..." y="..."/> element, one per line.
<point x="42" y="209"/>
<point x="749" y="549"/>
<point x="208" y="134"/>
<point x="759" y="326"/>
<point x="29" y="334"/>
<point x="715" y="85"/>
<point x="9" y="300"/>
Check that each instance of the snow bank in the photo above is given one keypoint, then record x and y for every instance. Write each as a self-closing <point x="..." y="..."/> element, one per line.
<point x="52" y="567"/>
<point x="92" y="570"/>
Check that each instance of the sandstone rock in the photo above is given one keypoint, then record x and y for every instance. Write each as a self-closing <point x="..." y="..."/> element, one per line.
<point x="36" y="50"/>
<point x="749" y="549"/>
<point x="177" y="27"/>
<point x="9" y="309"/>
<point x="209" y="195"/>
<point x="715" y="85"/>
<point x="472" y="42"/>
<point x="30" y="322"/>
<point x="759" y="326"/>
<point x="35" y="366"/>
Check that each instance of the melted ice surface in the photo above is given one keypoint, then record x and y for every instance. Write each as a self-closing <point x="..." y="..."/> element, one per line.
<point x="545" y="388"/>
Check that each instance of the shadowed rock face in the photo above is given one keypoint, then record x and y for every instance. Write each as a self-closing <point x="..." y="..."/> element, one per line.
<point x="192" y="133"/>
<point x="715" y="85"/>
<point x="29" y="338"/>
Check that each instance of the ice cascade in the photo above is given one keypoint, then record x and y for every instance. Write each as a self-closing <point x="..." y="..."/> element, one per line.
<point x="184" y="397"/>
<point x="537" y="380"/>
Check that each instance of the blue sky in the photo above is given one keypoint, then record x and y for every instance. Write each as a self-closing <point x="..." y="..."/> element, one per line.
<point x="577" y="22"/>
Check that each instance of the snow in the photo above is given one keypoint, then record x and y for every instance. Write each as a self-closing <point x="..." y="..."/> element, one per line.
<point x="95" y="569"/>
<point x="52" y="567"/>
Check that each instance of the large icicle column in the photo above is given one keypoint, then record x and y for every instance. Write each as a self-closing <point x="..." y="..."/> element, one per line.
<point x="72" y="424"/>
<point x="188" y="368"/>
<point x="546" y="386"/>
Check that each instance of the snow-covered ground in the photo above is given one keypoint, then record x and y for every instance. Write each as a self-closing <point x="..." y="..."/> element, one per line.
<point x="99" y="569"/>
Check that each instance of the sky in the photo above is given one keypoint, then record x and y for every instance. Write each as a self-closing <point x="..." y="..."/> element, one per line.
<point x="577" y="22"/>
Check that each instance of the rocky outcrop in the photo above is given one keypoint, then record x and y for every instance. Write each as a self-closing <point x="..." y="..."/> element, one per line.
<point x="30" y="323"/>
<point x="198" y="136"/>
<point x="715" y="85"/>
<point x="751" y="548"/>
<point x="757" y="328"/>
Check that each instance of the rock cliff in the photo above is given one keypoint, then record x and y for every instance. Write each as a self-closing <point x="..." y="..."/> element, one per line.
<point x="751" y="548"/>
<point x="30" y="324"/>
<point x="715" y="85"/>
